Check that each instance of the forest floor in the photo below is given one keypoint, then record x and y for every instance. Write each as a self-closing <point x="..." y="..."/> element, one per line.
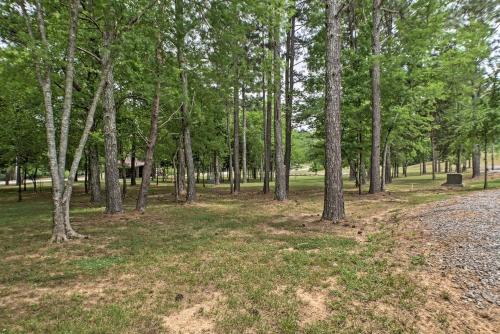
<point x="240" y="264"/>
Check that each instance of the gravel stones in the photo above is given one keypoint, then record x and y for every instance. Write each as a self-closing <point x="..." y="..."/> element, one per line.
<point x="469" y="230"/>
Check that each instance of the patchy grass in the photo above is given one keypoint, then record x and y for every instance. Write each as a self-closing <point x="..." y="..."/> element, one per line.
<point x="227" y="264"/>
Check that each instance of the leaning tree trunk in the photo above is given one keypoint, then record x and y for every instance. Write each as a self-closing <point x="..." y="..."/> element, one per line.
<point x="333" y="209"/>
<point x="280" y="183"/>
<point x="153" y="133"/>
<point x="236" y="134"/>
<point x="289" y="81"/>
<point x="113" y="190"/>
<point x="375" y="71"/>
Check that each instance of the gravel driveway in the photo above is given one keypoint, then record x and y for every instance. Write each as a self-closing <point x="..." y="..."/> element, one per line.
<point x="468" y="232"/>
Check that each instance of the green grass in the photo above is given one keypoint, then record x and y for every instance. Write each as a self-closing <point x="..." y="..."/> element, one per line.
<point x="251" y="252"/>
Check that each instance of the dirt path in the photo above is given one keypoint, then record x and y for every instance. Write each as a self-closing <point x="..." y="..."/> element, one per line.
<point x="454" y="247"/>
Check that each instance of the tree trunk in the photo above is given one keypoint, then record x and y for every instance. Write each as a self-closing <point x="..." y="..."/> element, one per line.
<point x="333" y="209"/>
<point x="230" y="169"/>
<point x="476" y="161"/>
<point x="124" y="176"/>
<point x="433" y="153"/>
<point x="244" y="136"/>
<point x="388" y="164"/>
<point x="113" y="191"/>
<point x="492" y="156"/>
<point x="181" y="170"/>
<point x="485" y="162"/>
<point x="289" y="82"/>
<point x="133" y="181"/>
<point x="95" y="174"/>
<point x="268" y="144"/>
<point x="153" y="133"/>
<point x="375" y="73"/>
<point x="458" y="166"/>
<point x="424" y="166"/>
<point x="86" y="175"/>
<point x="19" y="181"/>
<point x="236" y="134"/>
<point x="180" y="35"/>
<point x="216" y="169"/>
<point x="280" y="183"/>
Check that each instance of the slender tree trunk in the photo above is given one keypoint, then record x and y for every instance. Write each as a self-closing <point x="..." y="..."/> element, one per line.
<point x="216" y="169"/>
<point x="132" y="164"/>
<point x="95" y="174"/>
<point x="181" y="170"/>
<point x="153" y="134"/>
<point x="433" y="153"/>
<point x="280" y="183"/>
<point x="86" y="175"/>
<point x="492" y="156"/>
<point x="289" y="82"/>
<point x="19" y="181"/>
<point x="265" y="161"/>
<point x="236" y="134"/>
<point x="376" y="125"/>
<point x="113" y="191"/>
<point x="485" y="162"/>
<point x="61" y="193"/>
<point x="244" y="136"/>
<point x="458" y="167"/>
<point x="424" y="166"/>
<point x="230" y="169"/>
<point x="186" y="128"/>
<point x="333" y="209"/>
<point x="124" y="175"/>
<point x="476" y="161"/>
<point x="388" y="164"/>
<point x="268" y="144"/>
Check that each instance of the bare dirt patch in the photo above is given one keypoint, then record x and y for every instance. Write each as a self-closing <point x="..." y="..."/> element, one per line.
<point x="195" y="319"/>
<point x="314" y="306"/>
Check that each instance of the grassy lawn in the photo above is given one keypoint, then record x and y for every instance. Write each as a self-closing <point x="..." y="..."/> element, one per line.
<point x="228" y="264"/>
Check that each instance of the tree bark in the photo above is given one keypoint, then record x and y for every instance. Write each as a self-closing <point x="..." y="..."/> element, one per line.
<point x="485" y="162"/>
<point x="133" y="181"/>
<point x="216" y="169"/>
<point x="236" y="134"/>
<point x="153" y="134"/>
<point x="61" y="193"/>
<point x="186" y="127"/>
<point x="376" y="125"/>
<point x="333" y="209"/>
<point x="95" y="174"/>
<point x="289" y="82"/>
<point x="476" y="161"/>
<point x="268" y="129"/>
<point x="388" y="165"/>
<point x="244" y="136"/>
<point x="181" y="170"/>
<point x="112" y="180"/>
<point x="230" y="169"/>
<point x="280" y="183"/>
